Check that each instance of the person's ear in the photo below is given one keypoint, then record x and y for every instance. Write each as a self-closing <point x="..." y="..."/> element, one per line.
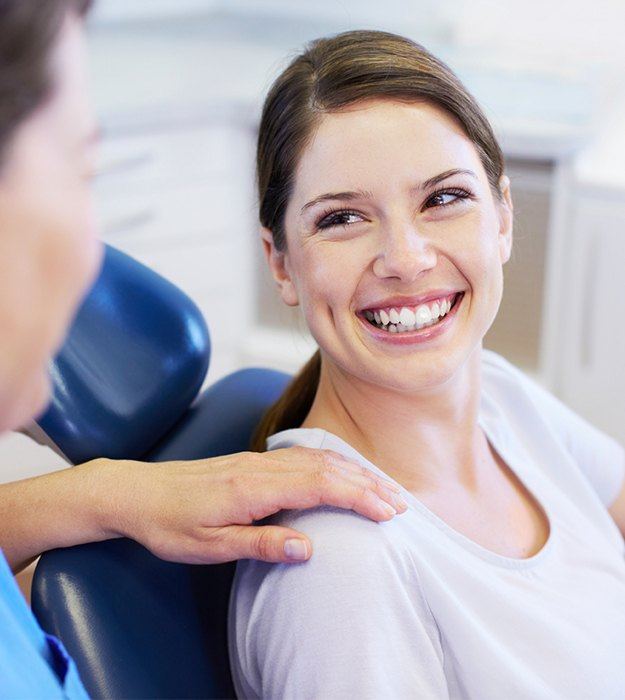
<point x="506" y="209"/>
<point x="278" y="262"/>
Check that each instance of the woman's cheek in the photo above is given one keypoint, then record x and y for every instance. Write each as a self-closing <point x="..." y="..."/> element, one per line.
<point x="322" y="273"/>
<point x="323" y="289"/>
<point x="478" y="250"/>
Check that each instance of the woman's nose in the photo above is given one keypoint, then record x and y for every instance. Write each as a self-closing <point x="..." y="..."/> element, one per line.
<point x="404" y="252"/>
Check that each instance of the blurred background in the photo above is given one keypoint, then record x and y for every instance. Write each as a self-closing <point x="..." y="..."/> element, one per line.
<point x="179" y="84"/>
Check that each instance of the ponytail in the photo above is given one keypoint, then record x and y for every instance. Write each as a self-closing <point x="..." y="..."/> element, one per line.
<point x="290" y="410"/>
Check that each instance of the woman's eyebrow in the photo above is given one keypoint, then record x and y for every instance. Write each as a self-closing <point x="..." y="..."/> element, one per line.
<point x="357" y="194"/>
<point x="443" y="176"/>
<point x="363" y="194"/>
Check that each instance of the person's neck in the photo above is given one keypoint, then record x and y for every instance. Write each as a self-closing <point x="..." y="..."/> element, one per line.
<point x="425" y="441"/>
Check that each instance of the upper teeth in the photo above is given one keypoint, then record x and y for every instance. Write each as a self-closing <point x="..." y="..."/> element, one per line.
<point x="409" y="318"/>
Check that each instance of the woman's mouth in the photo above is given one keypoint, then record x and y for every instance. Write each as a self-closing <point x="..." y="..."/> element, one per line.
<point x="409" y="325"/>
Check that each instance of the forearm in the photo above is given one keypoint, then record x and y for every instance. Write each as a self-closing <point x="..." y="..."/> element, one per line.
<point x="61" y="509"/>
<point x="197" y="511"/>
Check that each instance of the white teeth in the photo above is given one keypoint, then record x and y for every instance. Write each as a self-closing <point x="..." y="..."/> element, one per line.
<point x="423" y="314"/>
<point x="407" y="317"/>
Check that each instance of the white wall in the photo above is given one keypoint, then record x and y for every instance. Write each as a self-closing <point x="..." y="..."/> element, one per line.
<point x="559" y="34"/>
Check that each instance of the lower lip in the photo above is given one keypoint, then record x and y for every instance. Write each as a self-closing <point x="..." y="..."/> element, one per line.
<point x="412" y="337"/>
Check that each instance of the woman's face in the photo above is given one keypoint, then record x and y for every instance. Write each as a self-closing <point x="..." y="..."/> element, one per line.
<point x="49" y="251"/>
<point x="391" y="204"/>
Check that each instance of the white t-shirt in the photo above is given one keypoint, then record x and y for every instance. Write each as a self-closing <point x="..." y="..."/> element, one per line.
<point x="411" y="608"/>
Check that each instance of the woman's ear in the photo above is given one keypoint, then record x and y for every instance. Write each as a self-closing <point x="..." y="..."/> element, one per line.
<point x="506" y="209"/>
<point x="279" y="265"/>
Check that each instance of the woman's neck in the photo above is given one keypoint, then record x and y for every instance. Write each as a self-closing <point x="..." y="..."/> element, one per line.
<point x="425" y="441"/>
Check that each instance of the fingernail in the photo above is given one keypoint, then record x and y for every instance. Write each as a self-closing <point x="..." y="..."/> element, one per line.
<point x="392" y="486"/>
<point x="296" y="549"/>
<point x="389" y="508"/>
<point x="400" y="503"/>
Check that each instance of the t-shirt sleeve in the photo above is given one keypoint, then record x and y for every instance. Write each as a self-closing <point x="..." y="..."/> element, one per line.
<point x="599" y="456"/>
<point x="349" y="622"/>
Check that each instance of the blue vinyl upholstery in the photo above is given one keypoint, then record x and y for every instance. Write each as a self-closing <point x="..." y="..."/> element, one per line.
<point x="133" y="361"/>
<point x="138" y="626"/>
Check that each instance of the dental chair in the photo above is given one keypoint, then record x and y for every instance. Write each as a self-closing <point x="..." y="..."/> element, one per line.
<point x="125" y="385"/>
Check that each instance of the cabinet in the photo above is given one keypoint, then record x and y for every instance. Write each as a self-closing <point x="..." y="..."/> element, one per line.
<point x="591" y="372"/>
<point x="180" y="200"/>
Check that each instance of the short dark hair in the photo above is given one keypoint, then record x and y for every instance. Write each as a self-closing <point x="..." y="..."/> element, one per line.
<point x="28" y="29"/>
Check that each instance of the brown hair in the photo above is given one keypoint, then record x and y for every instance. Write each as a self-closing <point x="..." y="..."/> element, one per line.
<point x="28" y="29"/>
<point x="330" y="74"/>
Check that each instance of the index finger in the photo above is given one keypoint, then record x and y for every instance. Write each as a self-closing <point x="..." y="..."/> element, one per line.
<point x="343" y="462"/>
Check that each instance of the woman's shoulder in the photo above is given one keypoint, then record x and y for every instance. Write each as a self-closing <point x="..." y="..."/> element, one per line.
<point x="515" y="390"/>
<point x="522" y="394"/>
<point x="543" y="420"/>
<point x="497" y="367"/>
<point x="518" y="399"/>
<point x="347" y="550"/>
<point x="342" y="538"/>
<point x="358" y="591"/>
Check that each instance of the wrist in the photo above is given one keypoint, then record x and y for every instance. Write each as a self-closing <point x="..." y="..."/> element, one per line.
<point x="60" y="509"/>
<point x="104" y="492"/>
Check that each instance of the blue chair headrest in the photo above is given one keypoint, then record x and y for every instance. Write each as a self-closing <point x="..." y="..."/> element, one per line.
<point x="133" y="361"/>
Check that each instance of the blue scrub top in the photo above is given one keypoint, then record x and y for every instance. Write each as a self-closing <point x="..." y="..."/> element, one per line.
<point x="33" y="664"/>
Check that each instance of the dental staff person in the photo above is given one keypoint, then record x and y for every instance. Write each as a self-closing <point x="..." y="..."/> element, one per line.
<point x="50" y="255"/>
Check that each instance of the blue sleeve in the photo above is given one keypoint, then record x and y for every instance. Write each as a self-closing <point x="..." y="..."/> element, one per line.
<point x="349" y="622"/>
<point x="33" y="665"/>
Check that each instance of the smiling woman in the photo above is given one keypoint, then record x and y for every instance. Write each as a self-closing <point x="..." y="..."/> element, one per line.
<point x="386" y="215"/>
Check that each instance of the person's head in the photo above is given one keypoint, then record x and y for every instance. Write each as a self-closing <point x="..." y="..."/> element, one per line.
<point x="48" y="249"/>
<point x="379" y="177"/>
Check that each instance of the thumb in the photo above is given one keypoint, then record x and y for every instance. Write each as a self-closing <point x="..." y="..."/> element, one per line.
<point x="269" y="543"/>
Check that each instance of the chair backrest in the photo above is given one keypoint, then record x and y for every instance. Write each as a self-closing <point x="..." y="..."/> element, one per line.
<point x="132" y="363"/>
<point x="138" y="626"/>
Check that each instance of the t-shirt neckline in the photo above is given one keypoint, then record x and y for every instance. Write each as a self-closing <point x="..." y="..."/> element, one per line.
<point x="466" y="542"/>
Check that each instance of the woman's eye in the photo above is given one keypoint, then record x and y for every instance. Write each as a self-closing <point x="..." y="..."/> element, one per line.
<point x="445" y="198"/>
<point x="339" y="218"/>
